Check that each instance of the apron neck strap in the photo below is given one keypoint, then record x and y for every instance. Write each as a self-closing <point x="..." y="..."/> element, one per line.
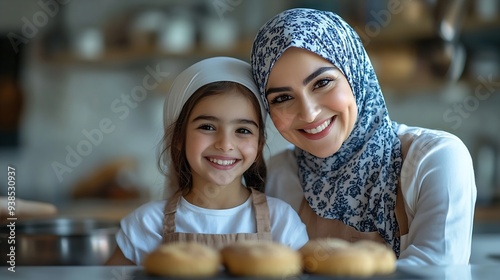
<point x="262" y="215"/>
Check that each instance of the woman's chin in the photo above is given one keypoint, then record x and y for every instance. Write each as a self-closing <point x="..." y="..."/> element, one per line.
<point x="319" y="152"/>
<point x="322" y="154"/>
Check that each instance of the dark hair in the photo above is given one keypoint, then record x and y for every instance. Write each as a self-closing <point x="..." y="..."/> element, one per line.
<point x="179" y="168"/>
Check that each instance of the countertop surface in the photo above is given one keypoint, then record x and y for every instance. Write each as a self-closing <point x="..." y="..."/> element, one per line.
<point x="117" y="209"/>
<point x="466" y="272"/>
<point x="99" y="208"/>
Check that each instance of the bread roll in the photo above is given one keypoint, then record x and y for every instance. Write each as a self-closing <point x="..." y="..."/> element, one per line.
<point x="384" y="258"/>
<point x="261" y="259"/>
<point x="187" y="259"/>
<point x="336" y="257"/>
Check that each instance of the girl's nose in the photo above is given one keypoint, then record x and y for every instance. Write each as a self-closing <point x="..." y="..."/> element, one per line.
<point x="309" y="109"/>
<point x="224" y="142"/>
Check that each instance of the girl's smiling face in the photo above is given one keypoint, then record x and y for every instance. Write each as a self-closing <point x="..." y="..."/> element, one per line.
<point x="222" y="139"/>
<point x="311" y="102"/>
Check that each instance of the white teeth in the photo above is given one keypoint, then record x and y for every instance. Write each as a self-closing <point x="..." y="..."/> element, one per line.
<point x="222" y="162"/>
<point x="319" y="128"/>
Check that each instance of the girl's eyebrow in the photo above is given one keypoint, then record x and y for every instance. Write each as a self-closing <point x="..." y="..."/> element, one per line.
<point x="215" y="119"/>
<point x="205" y="118"/>
<point x="307" y="80"/>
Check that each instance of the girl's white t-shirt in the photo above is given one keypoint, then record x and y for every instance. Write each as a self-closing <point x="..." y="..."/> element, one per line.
<point x="141" y="230"/>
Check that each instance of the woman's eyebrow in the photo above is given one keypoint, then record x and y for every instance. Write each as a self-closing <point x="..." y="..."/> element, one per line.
<point x="307" y="80"/>
<point x="277" y="89"/>
<point x="316" y="74"/>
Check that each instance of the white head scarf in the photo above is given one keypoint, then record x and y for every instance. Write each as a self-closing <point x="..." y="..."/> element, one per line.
<point x="210" y="70"/>
<point x="358" y="184"/>
<point x="215" y="69"/>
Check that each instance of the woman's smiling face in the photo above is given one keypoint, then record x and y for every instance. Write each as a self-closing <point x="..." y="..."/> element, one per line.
<point x="311" y="102"/>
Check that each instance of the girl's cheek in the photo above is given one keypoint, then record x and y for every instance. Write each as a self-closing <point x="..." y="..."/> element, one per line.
<point x="250" y="145"/>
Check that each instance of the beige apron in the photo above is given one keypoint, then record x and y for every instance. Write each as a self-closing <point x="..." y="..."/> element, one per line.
<point x="319" y="227"/>
<point x="218" y="241"/>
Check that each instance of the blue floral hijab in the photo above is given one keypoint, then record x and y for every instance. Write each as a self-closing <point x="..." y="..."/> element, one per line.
<point x="358" y="184"/>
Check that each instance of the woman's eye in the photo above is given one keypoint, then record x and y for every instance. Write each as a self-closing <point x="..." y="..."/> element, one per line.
<point x="322" y="83"/>
<point x="280" y="98"/>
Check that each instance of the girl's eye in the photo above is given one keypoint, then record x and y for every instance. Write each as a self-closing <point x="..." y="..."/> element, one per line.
<point x="206" y="127"/>
<point x="280" y="98"/>
<point x="322" y="83"/>
<point x="243" y="131"/>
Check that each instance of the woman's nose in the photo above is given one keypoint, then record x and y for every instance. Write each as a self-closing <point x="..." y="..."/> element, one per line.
<point x="309" y="109"/>
<point x="224" y="142"/>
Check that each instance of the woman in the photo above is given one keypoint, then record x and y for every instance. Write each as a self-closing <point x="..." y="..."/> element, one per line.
<point x="353" y="172"/>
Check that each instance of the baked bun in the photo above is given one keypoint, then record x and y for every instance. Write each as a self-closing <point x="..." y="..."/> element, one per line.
<point x="384" y="258"/>
<point x="336" y="257"/>
<point x="187" y="259"/>
<point x="261" y="259"/>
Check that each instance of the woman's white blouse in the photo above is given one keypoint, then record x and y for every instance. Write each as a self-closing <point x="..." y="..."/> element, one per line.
<point x="439" y="190"/>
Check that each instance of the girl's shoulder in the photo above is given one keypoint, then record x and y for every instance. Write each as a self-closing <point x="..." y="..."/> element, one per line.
<point x="278" y="205"/>
<point x="149" y="209"/>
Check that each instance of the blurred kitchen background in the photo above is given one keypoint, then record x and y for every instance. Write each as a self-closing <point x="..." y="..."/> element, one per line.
<point x="82" y="83"/>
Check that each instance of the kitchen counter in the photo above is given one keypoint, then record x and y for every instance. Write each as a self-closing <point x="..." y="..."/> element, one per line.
<point x="113" y="210"/>
<point x="472" y="272"/>
<point x="117" y="209"/>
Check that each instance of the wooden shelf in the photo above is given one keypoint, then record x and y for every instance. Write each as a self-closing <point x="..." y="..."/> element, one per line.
<point x="472" y="24"/>
<point x="113" y="210"/>
<point x="402" y="30"/>
<point x="487" y="213"/>
<point x="120" y="56"/>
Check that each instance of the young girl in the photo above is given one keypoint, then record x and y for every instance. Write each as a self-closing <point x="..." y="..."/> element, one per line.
<point x="214" y="123"/>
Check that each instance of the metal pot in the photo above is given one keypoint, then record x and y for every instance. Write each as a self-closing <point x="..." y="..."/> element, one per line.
<point x="59" y="241"/>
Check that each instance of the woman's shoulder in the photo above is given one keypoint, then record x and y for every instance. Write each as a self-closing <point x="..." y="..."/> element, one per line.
<point x="282" y="179"/>
<point x="434" y="162"/>
<point x="424" y="140"/>
<point x="424" y="149"/>
<point x="424" y="133"/>
<point x="282" y="163"/>
<point x="283" y="157"/>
